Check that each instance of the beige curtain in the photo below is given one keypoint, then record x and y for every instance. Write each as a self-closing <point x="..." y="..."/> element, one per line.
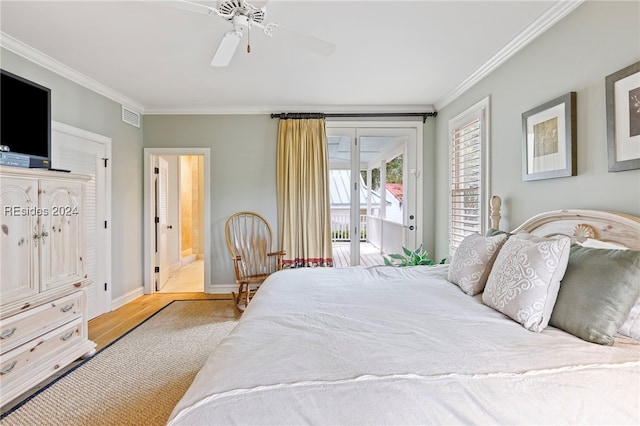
<point x="304" y="217"/>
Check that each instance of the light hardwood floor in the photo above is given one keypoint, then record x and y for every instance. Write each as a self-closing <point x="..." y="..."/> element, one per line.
<point x="108" y="327"/>
<point x="187" y="279"/>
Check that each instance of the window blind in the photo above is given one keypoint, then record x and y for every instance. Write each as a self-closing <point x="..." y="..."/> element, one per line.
<point x="466" y="181"/>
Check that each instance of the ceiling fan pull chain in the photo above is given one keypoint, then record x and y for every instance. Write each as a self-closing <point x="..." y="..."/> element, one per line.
<point x="249" y="38"/>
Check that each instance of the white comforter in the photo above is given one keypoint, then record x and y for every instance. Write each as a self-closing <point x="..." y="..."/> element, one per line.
<point x="404" y="346"/>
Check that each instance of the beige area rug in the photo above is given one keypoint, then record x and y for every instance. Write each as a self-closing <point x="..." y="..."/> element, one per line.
<point x="138" y="379"/>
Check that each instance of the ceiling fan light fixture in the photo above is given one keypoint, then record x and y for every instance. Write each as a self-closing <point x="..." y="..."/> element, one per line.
<point x="244" y="16"/>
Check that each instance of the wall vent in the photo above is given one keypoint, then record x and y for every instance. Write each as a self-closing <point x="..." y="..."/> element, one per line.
<point x="129" y="116"/>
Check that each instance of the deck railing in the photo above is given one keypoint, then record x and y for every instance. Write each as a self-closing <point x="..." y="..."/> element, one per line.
<point x="341" y="229"/>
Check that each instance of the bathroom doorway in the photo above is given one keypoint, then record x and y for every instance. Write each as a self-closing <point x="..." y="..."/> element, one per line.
<point x="177" y="243"/>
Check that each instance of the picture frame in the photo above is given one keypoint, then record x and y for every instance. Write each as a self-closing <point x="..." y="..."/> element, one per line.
<point x="549" y="139"/>
<point x="623" y="118"/>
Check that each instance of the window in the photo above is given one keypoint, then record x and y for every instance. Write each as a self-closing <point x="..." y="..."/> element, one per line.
<point x="469" y="192"/>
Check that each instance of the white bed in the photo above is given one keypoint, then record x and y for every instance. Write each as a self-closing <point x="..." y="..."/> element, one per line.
<point x="388" y="345"/>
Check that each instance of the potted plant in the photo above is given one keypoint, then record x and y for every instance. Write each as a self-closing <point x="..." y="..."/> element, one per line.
<point x="409" y="258"/>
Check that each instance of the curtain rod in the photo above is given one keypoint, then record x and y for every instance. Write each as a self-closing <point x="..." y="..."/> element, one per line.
<point x="307" y="115"/>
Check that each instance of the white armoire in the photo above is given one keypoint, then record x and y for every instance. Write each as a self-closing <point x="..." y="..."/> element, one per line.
<point x="43" y="317"/>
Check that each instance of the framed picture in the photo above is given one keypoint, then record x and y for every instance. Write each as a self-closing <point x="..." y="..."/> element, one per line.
<point x="549" y="139"/>
<point x="623" y="118"/>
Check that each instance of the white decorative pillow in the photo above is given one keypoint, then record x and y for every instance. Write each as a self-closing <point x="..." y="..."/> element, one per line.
<point x="525" y="278"/>
<point x="472" y="261"/>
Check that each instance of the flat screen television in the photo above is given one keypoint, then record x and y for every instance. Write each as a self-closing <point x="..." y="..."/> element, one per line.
<point x="25" y="119"/>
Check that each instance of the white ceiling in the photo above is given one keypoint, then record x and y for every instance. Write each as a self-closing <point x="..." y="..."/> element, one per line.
<point x="390" y="55"/>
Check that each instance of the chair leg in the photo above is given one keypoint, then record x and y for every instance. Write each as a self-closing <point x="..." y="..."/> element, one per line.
<point x="242" y="298"/>
<point x="237" y="297"/>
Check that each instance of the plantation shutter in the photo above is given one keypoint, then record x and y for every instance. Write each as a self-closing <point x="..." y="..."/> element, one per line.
<point x="466" y="181"/>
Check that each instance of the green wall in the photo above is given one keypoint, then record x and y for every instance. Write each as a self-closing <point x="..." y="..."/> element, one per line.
<point x="80" y="107"/>
<point x="595" y="40"/>
<point x="576" y="54"/>
<point x="243" y="168"/>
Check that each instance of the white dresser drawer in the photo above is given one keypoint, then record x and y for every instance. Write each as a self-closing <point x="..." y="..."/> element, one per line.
<point x="39" y="349"/>
<point x="22" y="327"/>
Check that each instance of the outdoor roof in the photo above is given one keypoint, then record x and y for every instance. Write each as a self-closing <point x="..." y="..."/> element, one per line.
<point x="340" y="190"/>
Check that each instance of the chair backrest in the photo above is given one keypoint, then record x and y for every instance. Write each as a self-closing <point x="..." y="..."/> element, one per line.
<point x="249" y="239"/>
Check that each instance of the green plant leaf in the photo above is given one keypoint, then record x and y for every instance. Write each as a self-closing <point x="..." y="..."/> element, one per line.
<point x="410" y="258"/>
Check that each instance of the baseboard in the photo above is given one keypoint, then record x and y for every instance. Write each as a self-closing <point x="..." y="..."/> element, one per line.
<point x="221" y="288"/>
<point x="188" y="259"/>
<point x="129" y="297"/>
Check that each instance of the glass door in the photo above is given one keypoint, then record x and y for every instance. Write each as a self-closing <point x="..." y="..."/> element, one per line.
<point x="344" y="196"/>
<point x="373" y="174"/>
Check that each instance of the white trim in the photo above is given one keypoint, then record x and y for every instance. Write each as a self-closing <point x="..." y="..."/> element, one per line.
<point x="222" y="288"/>
<point x="127" y="298"/>
<point x="550" y="17"/>
<point x="19" y="48"/>
<point x="546" y="20"/>
<point x="149" y="154"/>
<point x="411" y="124"/>
<point x="259" y="110"/>
<point x="481" y="109"/>
<point x="107" y="143"/>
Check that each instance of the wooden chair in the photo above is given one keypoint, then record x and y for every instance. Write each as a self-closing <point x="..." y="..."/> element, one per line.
<point x="249" y="239"/>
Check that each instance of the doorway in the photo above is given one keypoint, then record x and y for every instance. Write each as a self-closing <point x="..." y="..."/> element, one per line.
<point x="177" y="242"/>
<point x="179" y="191"/>
<point x="375" y="189"/>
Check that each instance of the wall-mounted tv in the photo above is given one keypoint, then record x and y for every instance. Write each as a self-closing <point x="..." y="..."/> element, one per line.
<point x="25" y="119"/>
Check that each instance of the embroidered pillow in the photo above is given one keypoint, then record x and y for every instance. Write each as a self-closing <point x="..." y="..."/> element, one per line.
<point x="525" y="278"/>
<point x="598" y="293"/>
<point x="472" y="261"/>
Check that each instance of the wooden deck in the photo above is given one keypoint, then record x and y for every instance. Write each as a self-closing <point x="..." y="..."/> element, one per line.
<point x="369" y="255"/>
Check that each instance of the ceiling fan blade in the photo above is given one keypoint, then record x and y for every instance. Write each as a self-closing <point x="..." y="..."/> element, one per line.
<point x="304" y="41"/>
<point x="226" y="49"/>
<point x="260" y="4"/>
<point x="191" y="6"/>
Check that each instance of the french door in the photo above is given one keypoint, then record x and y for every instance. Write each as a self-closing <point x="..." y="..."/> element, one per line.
<point x="375" y="175"/>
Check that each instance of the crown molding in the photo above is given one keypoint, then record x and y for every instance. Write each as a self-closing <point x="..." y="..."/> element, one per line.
<point x="19" y="48"/>
<point x="261" y="110"/>
<point x="546" y="20"/>
<point x="549" y="17"/>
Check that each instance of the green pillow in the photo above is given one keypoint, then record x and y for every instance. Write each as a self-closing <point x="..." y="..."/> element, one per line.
<point x="597" y="292"/>
<point x="492" y="232"/>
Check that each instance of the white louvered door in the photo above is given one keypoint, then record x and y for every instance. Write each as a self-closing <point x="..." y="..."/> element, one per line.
<point x="162" y="250"/>
<point x="84" y="153"/>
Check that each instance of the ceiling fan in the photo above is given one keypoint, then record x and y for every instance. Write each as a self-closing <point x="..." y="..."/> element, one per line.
<point x="244" y="16"/>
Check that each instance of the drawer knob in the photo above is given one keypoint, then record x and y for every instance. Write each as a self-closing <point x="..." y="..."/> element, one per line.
<point x="67" y="308"/>
<point x="67" y="335"/>
<point x="8" y="333"/>
<point x="9" y="367"/>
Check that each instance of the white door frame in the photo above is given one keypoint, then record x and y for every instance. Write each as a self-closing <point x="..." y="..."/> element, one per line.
<point x="417" y="174"/>
<point x="149" y="225"/>
<point x="106" y="302"/>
